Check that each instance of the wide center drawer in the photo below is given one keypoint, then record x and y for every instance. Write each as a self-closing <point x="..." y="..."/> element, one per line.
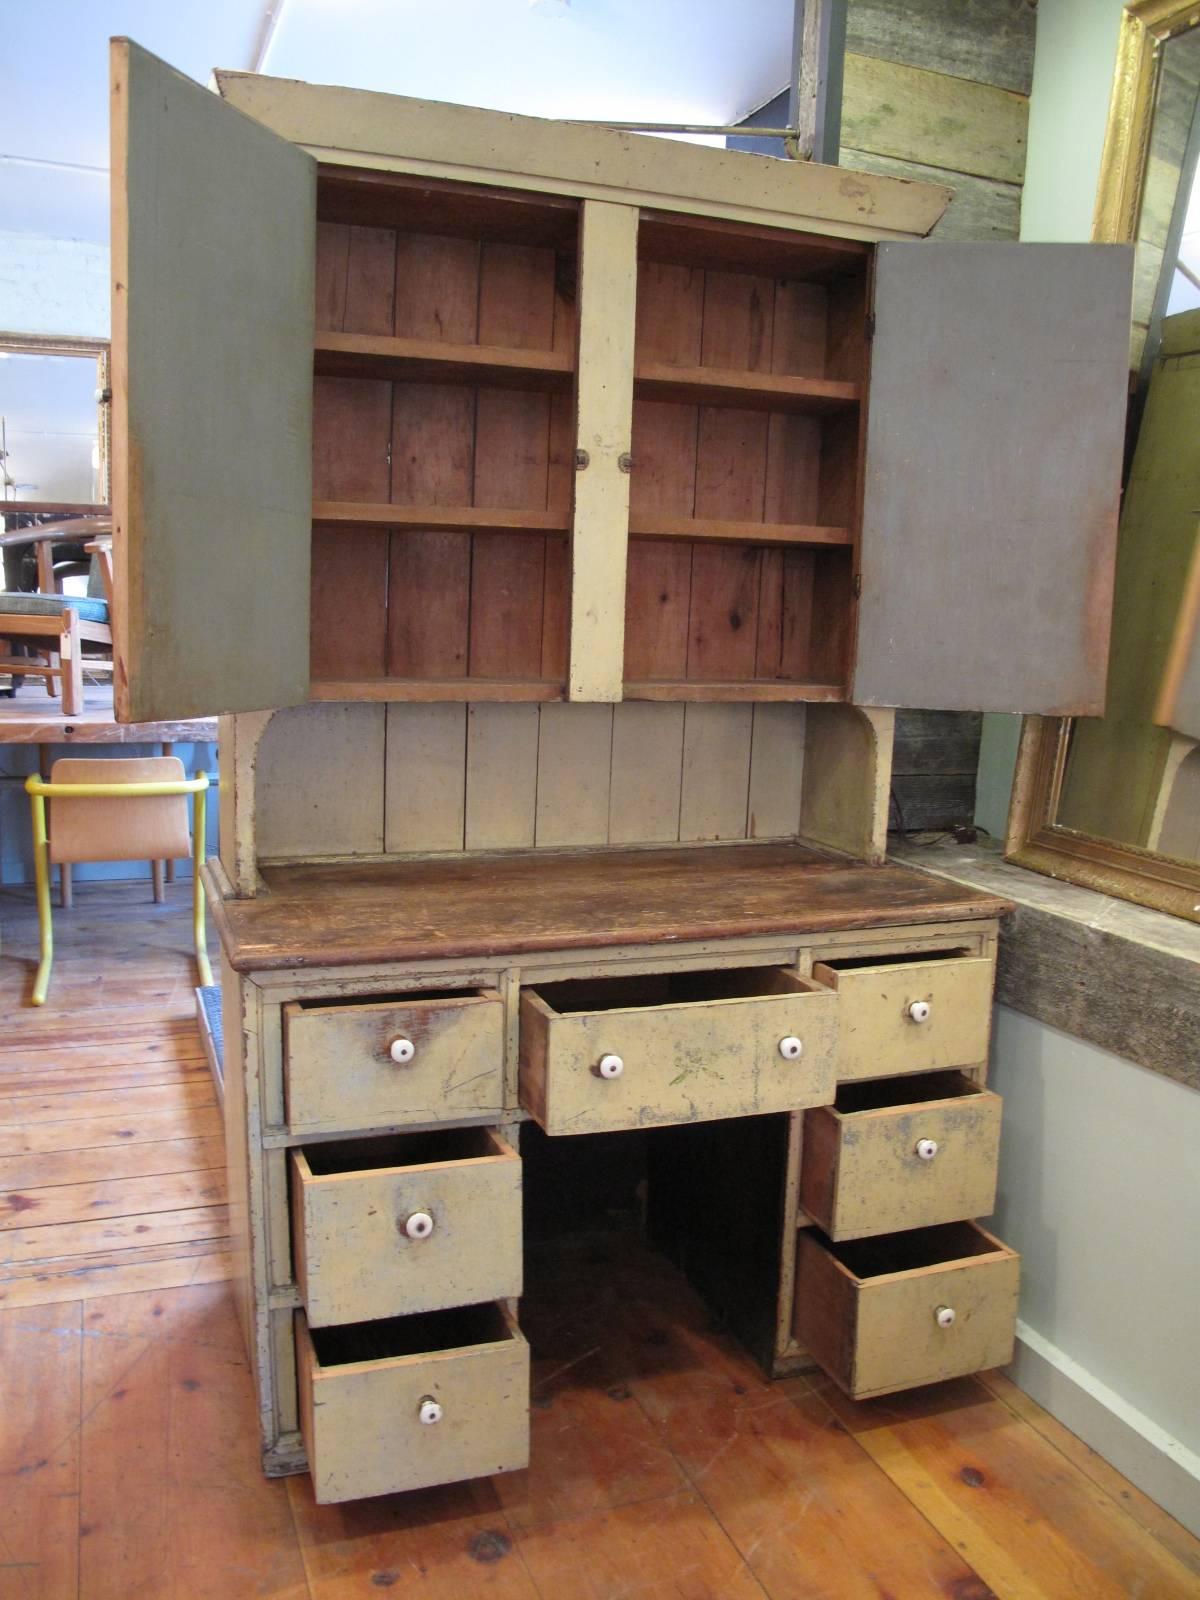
<point x="906" y="1309"/>
<point x="381" y="1063"/>
<point x="896" y="1153"/>
<point x="634" y="1052"/>
<point x="410" y="1223"/>
<point x="908" y="1013"/>
<point x="413" y="1401"/>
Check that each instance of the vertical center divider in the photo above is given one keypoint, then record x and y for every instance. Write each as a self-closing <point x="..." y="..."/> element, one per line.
<point x="603" y="435"/>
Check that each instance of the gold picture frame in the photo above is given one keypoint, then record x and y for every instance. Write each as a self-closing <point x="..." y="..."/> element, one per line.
<point x="1034" y="839"/>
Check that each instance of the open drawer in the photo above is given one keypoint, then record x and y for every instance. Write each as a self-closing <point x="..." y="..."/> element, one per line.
<point x="895" y="1153"/>
<point x="412" y="1401"/>
<point x="600" y="1054"/>
<point x="906" y="1013"/>
<point x="435" y="1057"/>
<point x="409" y="1223"/>
<point x="906" y="1309"/>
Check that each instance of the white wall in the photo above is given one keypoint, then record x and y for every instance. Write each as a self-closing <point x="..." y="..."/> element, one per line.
<point x="1099" y="1193"/>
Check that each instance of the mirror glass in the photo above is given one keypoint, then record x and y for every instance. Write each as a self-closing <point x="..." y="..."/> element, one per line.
<point x="1129" y="777"/>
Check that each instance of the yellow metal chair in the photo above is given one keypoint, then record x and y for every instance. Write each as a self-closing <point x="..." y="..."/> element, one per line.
<point x="138" y="813"/>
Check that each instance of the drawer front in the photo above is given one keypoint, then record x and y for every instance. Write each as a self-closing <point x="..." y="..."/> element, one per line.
<point x="678" y="1063"/>
<point x="881" y="1332"/>
<point x="404" y="1238"/>
<point x="880" y="1034"/>
<point x="362" y="1421"/>
<point x="901" y="1166"/>
<point x="341" y="1072"/>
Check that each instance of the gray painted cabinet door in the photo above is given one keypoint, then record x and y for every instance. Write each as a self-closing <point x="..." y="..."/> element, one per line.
<point x="213" y="242"/>
<point x="992" y="475"/>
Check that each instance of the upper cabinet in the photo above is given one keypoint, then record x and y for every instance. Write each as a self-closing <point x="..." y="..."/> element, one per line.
<point x="592" y="417"/>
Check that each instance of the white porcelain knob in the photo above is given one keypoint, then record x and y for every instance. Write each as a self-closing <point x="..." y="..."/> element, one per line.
<point x="919" y="1011"/>
<point x="429" y="1411"/>
<point x="401" y="1051"/>
<point x="610" y="1067"/>
<point x="790" y="1048"/>
<point x="927" y="1149"/>
<point x="944" y="1316"/>
<point x="418" y="1226"/>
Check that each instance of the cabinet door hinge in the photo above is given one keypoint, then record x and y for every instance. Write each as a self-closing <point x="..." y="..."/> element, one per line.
<point x="870" y="326"/>
<point x="858" y="585"/>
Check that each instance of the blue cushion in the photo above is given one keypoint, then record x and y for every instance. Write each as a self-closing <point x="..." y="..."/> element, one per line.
<point x="50" y="605"/>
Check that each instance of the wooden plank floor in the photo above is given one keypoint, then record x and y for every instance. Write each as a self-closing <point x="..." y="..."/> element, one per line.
<point x="111" y="1157"/>
<point x="664" y="1466"/>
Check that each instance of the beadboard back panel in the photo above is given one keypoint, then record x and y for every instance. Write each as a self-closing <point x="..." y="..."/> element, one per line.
<point x="342" y="780"/>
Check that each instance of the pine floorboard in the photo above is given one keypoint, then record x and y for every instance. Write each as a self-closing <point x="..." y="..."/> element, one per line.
<point x="111" y="1165"/>
<point x="664" y="1466"/>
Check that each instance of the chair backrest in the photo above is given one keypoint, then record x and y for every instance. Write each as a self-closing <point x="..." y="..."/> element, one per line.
<point x="141" y="828"/>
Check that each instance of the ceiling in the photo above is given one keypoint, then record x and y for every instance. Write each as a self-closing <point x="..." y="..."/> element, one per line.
<point x="661" y="60"/>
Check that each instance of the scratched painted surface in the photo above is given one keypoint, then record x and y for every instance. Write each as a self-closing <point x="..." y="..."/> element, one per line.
<point x="878" y="1036"/>
<point x="878" y="1332"/>
<point x="881" y="1185"/>
<point x="361" y="1423"/>
<point x="683" y="1063"/>
<point x="338" y="1073"/>
<point x="355" y="1262"/>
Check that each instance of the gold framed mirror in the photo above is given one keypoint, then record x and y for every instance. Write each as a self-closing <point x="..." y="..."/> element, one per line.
<point x="1098" y="800"/>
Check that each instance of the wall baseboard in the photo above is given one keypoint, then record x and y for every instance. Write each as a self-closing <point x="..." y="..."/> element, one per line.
<point x="1151" y="1458"/>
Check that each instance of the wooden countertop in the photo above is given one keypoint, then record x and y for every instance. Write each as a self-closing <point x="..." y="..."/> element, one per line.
<point x="521" y="902"/>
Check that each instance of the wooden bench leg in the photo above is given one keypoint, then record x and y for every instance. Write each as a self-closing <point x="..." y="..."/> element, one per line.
<point x="66" y="885"/>
<point x="72" y="665"/>
<point x="159" y="876"/>
<point x="168" y="749"/>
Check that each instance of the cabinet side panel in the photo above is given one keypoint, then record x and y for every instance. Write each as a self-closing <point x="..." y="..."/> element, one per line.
<point x="213" y="280"/>
<point x="993" y="463"/>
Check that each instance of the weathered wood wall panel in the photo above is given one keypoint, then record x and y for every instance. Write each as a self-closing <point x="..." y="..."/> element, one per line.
<point x="948" y="122"/>
<point x="981" y="207"/>
<point x="320" y="781"/>
<point x="338" y="780"/>
<point x="934" y="763"/>
<point x="987" y="41"/>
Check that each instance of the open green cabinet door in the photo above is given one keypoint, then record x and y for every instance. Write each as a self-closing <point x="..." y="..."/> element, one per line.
<point x="213" y="239"/>
<point x="995" y="434"/>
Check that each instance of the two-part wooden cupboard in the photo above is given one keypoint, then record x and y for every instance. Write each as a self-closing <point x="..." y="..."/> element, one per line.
<point x="556" y="517"/>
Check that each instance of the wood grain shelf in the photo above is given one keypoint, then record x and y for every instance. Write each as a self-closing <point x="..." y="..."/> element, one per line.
<point x="733" y="690"/>
<point x="439" y="519"/>
<point x="441" y="689"/>
<point x="368" y="355"/>
<point x="716" y="531"/>
<point x="753" y="391"/>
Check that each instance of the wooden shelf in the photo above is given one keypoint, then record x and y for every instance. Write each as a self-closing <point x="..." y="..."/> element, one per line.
<point x="756" y="391"/>
<point x="711" y="529"/>
<point x="367" y="355"/>
<point x="439" y="519"/>
<point x="523" y="689"/>
<point x="734" y="689"/>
